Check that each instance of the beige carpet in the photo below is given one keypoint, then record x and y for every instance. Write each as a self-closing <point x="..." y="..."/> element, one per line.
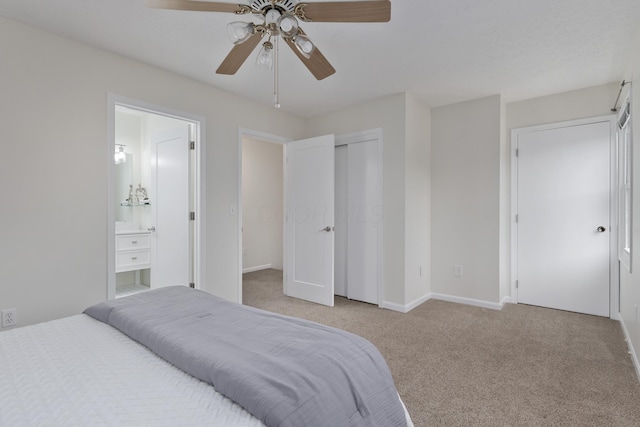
<point x="457" y="365"/>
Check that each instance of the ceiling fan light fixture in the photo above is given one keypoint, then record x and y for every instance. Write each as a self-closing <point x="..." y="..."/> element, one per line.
<point x="288" y="25"/>
<point x="265" y="57"/>
<point x="239" y="32"/>
<point x="304" y="45"/>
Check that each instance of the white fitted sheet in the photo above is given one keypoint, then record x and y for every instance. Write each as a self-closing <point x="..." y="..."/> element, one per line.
<point x="77" y="371"/>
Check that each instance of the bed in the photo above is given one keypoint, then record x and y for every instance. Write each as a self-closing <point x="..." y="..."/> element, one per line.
<point x="182" y="357"/>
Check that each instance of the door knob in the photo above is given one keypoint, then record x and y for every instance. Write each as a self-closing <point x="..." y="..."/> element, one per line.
<point x="601" y="229"/>
<point x="327" y="229"/>
<point x="151" y="229"/>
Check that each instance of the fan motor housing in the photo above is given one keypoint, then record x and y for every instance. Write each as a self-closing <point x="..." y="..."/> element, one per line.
<point x="282" y="5"/>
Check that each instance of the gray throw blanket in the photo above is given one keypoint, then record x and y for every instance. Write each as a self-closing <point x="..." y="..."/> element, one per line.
<point x="287" y="372"/>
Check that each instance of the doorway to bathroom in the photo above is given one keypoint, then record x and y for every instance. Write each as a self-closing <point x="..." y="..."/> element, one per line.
<point x="155" y="200"/>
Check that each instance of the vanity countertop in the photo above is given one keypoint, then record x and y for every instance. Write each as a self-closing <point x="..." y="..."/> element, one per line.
<point x="121" y="232"/>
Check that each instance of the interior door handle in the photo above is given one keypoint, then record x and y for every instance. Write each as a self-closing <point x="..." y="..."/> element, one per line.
<point x="151" y="229"/>
<point x="327" y="229"/>
<point x="601" y="229"/>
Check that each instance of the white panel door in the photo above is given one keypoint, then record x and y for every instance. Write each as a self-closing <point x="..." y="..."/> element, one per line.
<point x="364" y="220"/>
<point x="309" y="226"/>
<point x="563" y="212"/>
<point x="170" y="249"/>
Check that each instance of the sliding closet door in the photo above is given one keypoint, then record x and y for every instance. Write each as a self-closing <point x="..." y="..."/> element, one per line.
<point x="358" y="219"/>
<point x="364" y="220"/>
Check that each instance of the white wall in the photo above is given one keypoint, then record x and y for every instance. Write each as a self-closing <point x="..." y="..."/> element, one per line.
<point x="417" y="201"/>
<point x="465" y="203"/>
<point x="577" y="104"/>
<point x="505" y="210"/>
<point x="53" y="170"/>
<point x="262" y="208"/>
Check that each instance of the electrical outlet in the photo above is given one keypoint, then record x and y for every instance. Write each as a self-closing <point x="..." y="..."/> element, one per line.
<point x="9" y="317"/>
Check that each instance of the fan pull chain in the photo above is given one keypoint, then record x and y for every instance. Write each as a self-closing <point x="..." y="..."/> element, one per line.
<point x="276" y="101"/>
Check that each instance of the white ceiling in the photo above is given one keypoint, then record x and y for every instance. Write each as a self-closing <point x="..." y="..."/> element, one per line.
<point x="442" y="51"/>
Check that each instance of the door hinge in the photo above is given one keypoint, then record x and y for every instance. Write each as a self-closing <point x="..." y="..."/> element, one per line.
<point x="192" y="285"/>
<point x="517" y="152"/>
<point x="517" y="284"/>
<point x="192" y="145"/>
<point x="517" y="218"/>
<point x="192" y="216"/>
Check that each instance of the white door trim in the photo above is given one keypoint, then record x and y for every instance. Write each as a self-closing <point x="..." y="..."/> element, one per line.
<point x="244" y="132"/>
<point x="367" y="136"/>
<point x="614" y="290"/>
<point x="114" y="100"/>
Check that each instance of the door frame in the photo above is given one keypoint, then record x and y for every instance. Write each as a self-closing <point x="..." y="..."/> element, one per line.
<point x="268" y="138"/>
<point x="199" y="122"/>
<point x="343" y="139"/>
<point x="614" y="272"/>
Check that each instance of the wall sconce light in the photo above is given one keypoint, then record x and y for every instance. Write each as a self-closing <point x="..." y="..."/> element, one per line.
<point x="120" y="156"/>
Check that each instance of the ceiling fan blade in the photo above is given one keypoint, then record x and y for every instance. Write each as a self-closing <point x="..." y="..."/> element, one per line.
<point x="316" y="63"/>
<point x="238" y="55"/>
<point x="347" y="11"/>
<point x="198" y="6"/>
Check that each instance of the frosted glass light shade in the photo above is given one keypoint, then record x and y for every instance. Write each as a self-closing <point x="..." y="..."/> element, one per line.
<point x="240" y="32"/>
<point x="288" y="25"/>
<point x="304" y="45"/>
<point x="264" y="60"/>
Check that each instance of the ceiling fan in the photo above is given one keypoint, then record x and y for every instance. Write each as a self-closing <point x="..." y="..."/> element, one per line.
<point x="281" y="18"/>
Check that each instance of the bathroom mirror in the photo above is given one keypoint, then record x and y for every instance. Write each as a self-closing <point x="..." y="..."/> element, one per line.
<point x="123" y="181"/>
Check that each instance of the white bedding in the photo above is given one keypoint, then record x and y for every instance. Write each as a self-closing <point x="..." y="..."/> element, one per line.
<point x="77" y="371"/>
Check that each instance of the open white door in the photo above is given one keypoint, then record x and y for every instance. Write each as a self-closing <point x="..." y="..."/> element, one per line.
<point x="171" y="239"/>
<point x="309" y="200"/>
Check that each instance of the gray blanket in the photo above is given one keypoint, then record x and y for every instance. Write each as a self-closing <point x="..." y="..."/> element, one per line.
<point x="287" y="372"/>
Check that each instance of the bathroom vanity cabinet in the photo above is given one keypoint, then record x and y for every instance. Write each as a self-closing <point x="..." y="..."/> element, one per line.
<point x="133" y="251"/>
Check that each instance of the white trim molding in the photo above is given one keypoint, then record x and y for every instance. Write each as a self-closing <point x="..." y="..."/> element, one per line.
<point x="468" y="301"/>
<point x="632" y="352"/>
<point x="444" y="297"/>
<point x="256" y="268"/>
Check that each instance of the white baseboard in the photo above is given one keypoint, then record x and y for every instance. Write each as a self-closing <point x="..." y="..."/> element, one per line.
<point x="256" y="268"/>
<point x="468" y="301"/>
<point x="393" y="306"/>
<point x="444" y="297"/>
<point x="632" y="352"/>
<point x="405" y="308"/>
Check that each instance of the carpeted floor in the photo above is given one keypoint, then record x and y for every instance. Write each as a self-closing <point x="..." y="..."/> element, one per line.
<point x="458" y="365"/>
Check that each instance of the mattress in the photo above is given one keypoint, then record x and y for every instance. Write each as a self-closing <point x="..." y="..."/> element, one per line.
<point x="77" y="371"/>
